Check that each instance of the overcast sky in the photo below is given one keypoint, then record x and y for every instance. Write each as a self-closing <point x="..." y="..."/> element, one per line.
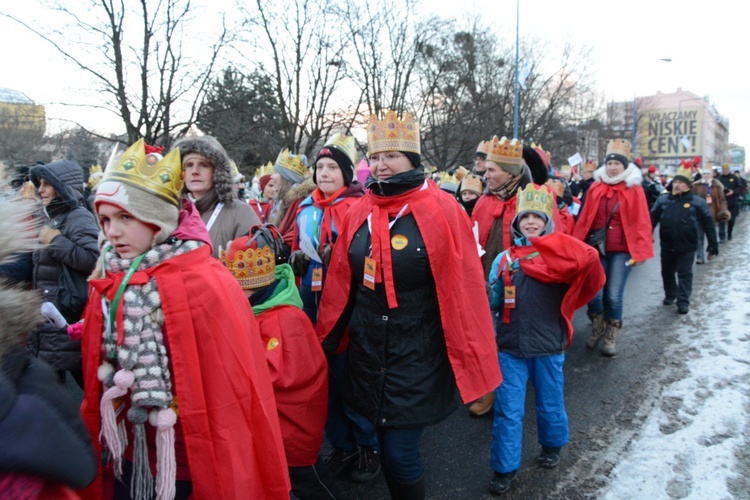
<point x="705" y="44"/>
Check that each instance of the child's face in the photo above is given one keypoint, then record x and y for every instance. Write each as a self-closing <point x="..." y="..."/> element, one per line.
<point x="129" y="236"/>
<point x="531" y="225"/>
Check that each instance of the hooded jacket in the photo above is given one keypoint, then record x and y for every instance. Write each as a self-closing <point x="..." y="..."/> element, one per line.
<point x="75" y="247"/>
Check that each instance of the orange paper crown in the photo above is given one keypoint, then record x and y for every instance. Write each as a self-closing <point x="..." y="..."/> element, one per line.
<point x="505" y="152"/>
<point x="589" y="166"/>
<point x="392" y="134"/>
<point x="483" y="147"/>
<point x="473" y="183"/>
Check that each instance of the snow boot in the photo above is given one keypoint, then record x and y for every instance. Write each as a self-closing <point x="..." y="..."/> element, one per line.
<point x="501" y="481"/>
<point x="597" y="329"/>
<point x="549" y="457"/>
<point x="610" y="337"/>
<point x="405" y="491"/>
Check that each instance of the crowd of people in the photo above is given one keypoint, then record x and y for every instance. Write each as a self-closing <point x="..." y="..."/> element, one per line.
<point x="222" y="332"/>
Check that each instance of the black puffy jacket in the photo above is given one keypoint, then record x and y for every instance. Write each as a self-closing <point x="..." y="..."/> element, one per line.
<point x="679" y="215"/>
<point x="75" y="247"/>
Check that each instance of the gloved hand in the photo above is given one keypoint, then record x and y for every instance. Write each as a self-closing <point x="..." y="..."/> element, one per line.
<point x="325" y="254"/>
<point x="75" y="331"/>
<point x="299" y="262"/>
<point x="47" y="234"/>
<point x="712" y="251"/>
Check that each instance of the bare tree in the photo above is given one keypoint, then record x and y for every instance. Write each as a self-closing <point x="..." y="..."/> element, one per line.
<point x="136" y="56"/>
<point x="301" y="49"/>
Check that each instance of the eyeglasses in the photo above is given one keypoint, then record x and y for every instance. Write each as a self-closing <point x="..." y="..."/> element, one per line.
<point x="384" y="158"/>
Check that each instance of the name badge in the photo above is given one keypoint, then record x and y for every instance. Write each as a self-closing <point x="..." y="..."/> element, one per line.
<point x="317" y="279"/>
<point x="370" y="268"/>
<point x="510" y="297"/>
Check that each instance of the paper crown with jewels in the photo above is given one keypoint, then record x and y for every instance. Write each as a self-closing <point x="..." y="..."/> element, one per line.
<point x="291" y="162"/>
<point x="344" y="143"/>
<point x="162" y="178"/>
<point x="446" y="178"/>
<point x="253" y="266"/>
<point x="535" y="199"/>
<point x="392" y="134"/>
<point x="505" y="151"/>
<point x="589" y="166"/>
<point x="619" y="147"/>
<point x="483" y="147"/>
<point x="471" y="182"/>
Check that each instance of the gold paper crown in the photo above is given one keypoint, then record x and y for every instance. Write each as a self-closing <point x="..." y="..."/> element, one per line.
<point x="392" y="134"/>
<point x="461" y="172"/>
<point x="161" y="179"/>
<point x="95" y="175"/>
<point x="234" y="172"/>
<point x="471" y="182"/>
<point x="535" y="199"/>
<point x="484" y="147"/>
<point x="687" y="173"/>
<point x="266" y="169"/>
<point x="251" y="267"/>
<point x="619" y="147"/>
<point x="291" y="162"/>
<point x="344" y="143"/>
<point x="446" y="178"/>
<point x="505" y="152"/>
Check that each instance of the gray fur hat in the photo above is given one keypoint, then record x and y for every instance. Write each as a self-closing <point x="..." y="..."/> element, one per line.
<point x="211" y="149"/>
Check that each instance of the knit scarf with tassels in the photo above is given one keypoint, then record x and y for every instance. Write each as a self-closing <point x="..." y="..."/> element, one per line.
<point x="136" y="362"/>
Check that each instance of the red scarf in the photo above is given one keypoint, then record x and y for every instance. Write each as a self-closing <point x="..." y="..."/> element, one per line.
<point x="326" y="204"/>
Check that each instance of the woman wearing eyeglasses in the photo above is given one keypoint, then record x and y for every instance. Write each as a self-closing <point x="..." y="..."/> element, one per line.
<point x="406" y="280"/>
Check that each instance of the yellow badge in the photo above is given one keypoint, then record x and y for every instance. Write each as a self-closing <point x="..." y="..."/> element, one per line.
<point x="686" y="205"/>
<point x="273" y="343"/>
<point x="399" y="242"/>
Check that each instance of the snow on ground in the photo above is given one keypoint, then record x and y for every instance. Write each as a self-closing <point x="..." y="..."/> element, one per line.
<point x="693" y="444"/>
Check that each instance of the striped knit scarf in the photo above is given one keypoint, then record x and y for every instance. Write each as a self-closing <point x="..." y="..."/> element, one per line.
<point x="143" y="371"/>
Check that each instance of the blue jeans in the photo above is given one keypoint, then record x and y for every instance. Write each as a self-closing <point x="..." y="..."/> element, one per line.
<point x="546" y="375"/>
<point x="609" y="298"/>
<point x="399" y="453"/>
<point x="345" y="428"/>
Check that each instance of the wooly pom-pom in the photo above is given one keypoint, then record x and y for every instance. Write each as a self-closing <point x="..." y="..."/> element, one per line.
<point x="124" y="379"/>
<point x="104" y="372"/>
<point x="137" y="415"/>
<point x="166" y="418"/>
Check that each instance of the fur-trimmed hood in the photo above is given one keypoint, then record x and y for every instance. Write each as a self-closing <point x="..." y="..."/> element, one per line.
<point x="632" y="176"/>
<point x="300" y="191"/>
<point x="209" y="147"/>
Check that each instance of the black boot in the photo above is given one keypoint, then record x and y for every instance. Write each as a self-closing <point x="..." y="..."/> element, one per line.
<point x="405" y="491"/>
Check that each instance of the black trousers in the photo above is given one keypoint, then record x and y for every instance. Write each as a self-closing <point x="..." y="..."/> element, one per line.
<point x="681" y="264"/>
<point x="727" y="228"/>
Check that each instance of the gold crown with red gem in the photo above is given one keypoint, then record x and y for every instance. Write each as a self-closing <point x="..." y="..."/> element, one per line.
<point x="162" y="178"/>
<point x="252" y="266"/>
<point x="505" y="151"/>
<point x="392" y="134"/>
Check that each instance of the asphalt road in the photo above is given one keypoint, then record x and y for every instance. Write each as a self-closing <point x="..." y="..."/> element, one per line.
<point x="607" y="400"/>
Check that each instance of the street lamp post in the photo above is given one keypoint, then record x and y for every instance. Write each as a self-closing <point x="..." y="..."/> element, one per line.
<point x="516" y="85"/>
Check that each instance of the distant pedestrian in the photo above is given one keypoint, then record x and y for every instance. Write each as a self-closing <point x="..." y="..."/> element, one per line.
<point x="615" y="218"/>
<point x="732" y="191"/>
<point x="678" y="213"/>
<point x="707" y="187"/>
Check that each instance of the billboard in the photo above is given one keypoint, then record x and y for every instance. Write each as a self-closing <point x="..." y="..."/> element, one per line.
<point x="671" y="133"/>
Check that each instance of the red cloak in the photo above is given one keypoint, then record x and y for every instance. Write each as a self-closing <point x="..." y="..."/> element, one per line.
<point x="457" y="271"/>
<point x="564" y="259"/>
<point x="299" y="373"/>
<point x="636" y="221"/>
<point x="220" y="378"/>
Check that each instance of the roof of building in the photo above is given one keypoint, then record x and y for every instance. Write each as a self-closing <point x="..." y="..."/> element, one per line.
<point x="14" y="96"/>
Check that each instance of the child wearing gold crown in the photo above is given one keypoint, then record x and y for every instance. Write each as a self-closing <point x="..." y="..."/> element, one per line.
<point x="537" y="285"/>
<point x="177" y="389"/>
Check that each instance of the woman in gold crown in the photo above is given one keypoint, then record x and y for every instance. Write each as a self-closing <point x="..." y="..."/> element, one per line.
<point x="405" y="278"/>
<point x="615" y="201"/>
<point x="177" y="387"/>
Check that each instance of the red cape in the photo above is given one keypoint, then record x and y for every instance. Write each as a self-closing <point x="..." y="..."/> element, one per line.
<point x="462" y="297"/>
<point x="299" y="373"/>
<point x="564" y="259"/>
<point x="220" y="378"/>
<point x="636" y="221"/>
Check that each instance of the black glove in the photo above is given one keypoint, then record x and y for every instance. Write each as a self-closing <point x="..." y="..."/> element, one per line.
<point x="299" y="262"/>
<point x="325" y="254"/>
<point x="712" y="250"/>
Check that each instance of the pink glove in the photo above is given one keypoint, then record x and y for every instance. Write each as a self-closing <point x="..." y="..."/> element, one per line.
<point x="75" y="331"/>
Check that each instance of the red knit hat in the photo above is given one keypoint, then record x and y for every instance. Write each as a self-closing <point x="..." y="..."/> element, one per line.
<point x="264" y="180"/>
